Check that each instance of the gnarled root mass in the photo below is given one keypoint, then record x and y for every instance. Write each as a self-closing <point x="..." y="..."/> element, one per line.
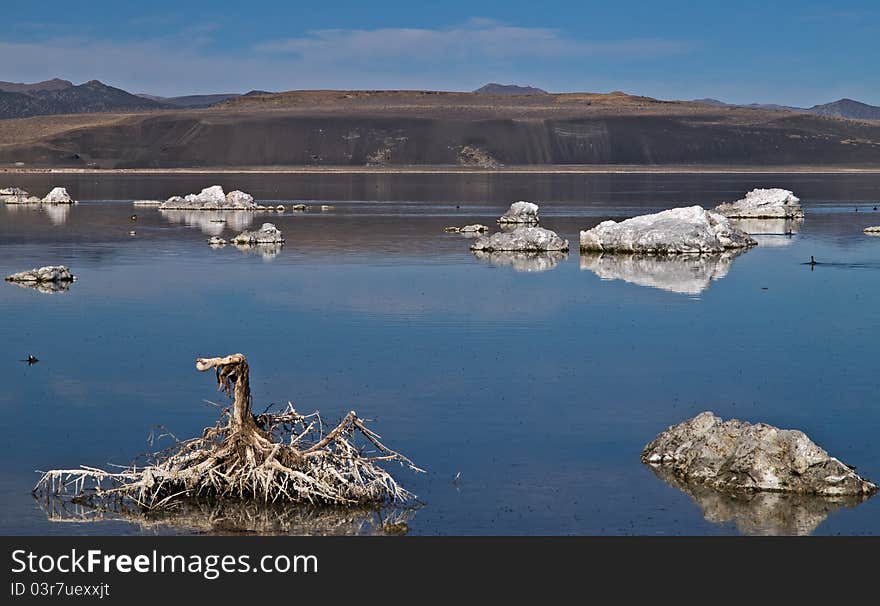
<point x="271" y="457"/>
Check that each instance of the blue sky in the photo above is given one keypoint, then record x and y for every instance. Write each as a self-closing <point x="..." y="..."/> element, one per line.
<point x="797" y="53"/>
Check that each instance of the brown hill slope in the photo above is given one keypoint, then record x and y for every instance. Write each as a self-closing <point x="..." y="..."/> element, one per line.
<point x="388" y="128"/>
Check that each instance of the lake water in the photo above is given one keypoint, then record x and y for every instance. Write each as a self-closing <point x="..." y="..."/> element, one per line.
<point x="539" y="387"/>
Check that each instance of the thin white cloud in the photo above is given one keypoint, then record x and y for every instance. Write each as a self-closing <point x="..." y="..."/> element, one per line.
<point x="474" y="39"/>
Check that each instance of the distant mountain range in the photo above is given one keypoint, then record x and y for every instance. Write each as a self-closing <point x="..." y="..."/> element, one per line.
<point x="494" y="88"/>
<point x="843" y="108"/>
<point x="63" y="97"/>
<point x="57" y="96"/>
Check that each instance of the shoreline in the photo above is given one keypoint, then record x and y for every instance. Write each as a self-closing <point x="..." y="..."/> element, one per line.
<point x="546" y="169"/>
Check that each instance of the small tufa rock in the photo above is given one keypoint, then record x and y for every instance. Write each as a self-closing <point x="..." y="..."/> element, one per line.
<point x="874" y="229"/>
<point x="738" y="457"/>
<point x="58" y="195"/>
<point x="677" y="230"/>
<point x="49" y="273"/>
<point x="13" y="191"/>
<point x="467" y="229"/>
<point x="521" y="212"/>
<point x="16" y="195"/>
<point x="211" y="198"/>
<point x="771" y="203"/>
<point x="522" y="239"/>
<point x="216" y="241"/>
<point x="299" y="207"/>
<point x="267" y="234"/>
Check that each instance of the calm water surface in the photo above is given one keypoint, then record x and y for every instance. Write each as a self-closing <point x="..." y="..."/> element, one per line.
<point x="539" y="387"/>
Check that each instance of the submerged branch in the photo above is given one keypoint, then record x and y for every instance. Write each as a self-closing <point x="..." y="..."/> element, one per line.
<point x="269" y="458"/>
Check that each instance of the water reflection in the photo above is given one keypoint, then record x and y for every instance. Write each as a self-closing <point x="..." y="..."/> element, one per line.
<point x="211" y="222"/>
<point x="770" y="232"/>
<point x="266" y="251"/>
<point x="49" y="288"/>
<point x="522" y="261"/>
<point x="236" y="516"/>
<point x="761" y="513"/>
<point x="685" y="274"/>
<point x="57" y="213"/>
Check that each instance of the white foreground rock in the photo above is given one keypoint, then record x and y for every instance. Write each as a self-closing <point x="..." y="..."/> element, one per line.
<point x="267" y="234"/>
<point x="738" y="457"/>
<point x="522" y="239"/>
<point x="521" y="212"/>
<point x="49" y="273"/>
<point x="686" y="274"/>
<point x="874" y="229"/>
<point x="690" y="229"/>
<point x="211" y="198"/>
<point x="771" y="203"/>
<point x="58" y="195"/>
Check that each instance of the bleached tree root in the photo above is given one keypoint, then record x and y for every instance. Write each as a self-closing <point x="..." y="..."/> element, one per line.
<point x="272" y="457"/>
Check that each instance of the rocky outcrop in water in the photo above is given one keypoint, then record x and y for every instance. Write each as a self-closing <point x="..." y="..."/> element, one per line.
<point x="41" y="275"/>
<point x="476" y="228"/>
<point x="527" y="262"/>
<point x="521" y="212"/>
<point x="874" y="229"/>
<point x="738" y="457"/>
<point x="212" y="199"/>
<point x="523" y="239"/>
<point x="678" y="230"/>
<point x="771" y="203"/>
<point x="16" y="195"/>
<point x="58" y="195"/>
<point x="267" y="234"/>
<point x="685" y="274"/>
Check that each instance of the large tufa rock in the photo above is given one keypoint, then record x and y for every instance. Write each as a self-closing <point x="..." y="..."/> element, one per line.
<point x="771" y="203"/>
<point x="58" y="195"/>
<point x="735" y="456"/>
<point x="522" y="239"/>
<point x="267" y="234"/>
<point x="678" y="230"/>
<point x="211" y="198"/>
<point x="49" y="273"/>
<point x="521" y="213"/>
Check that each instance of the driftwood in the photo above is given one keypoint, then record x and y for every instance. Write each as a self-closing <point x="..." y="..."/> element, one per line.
<point x="270" y="458"/>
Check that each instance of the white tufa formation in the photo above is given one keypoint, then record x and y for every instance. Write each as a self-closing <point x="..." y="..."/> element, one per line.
<point x="678" y="230"/>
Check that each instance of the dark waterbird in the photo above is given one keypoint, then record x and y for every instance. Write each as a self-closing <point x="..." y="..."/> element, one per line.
<point x="31" y="360"/>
